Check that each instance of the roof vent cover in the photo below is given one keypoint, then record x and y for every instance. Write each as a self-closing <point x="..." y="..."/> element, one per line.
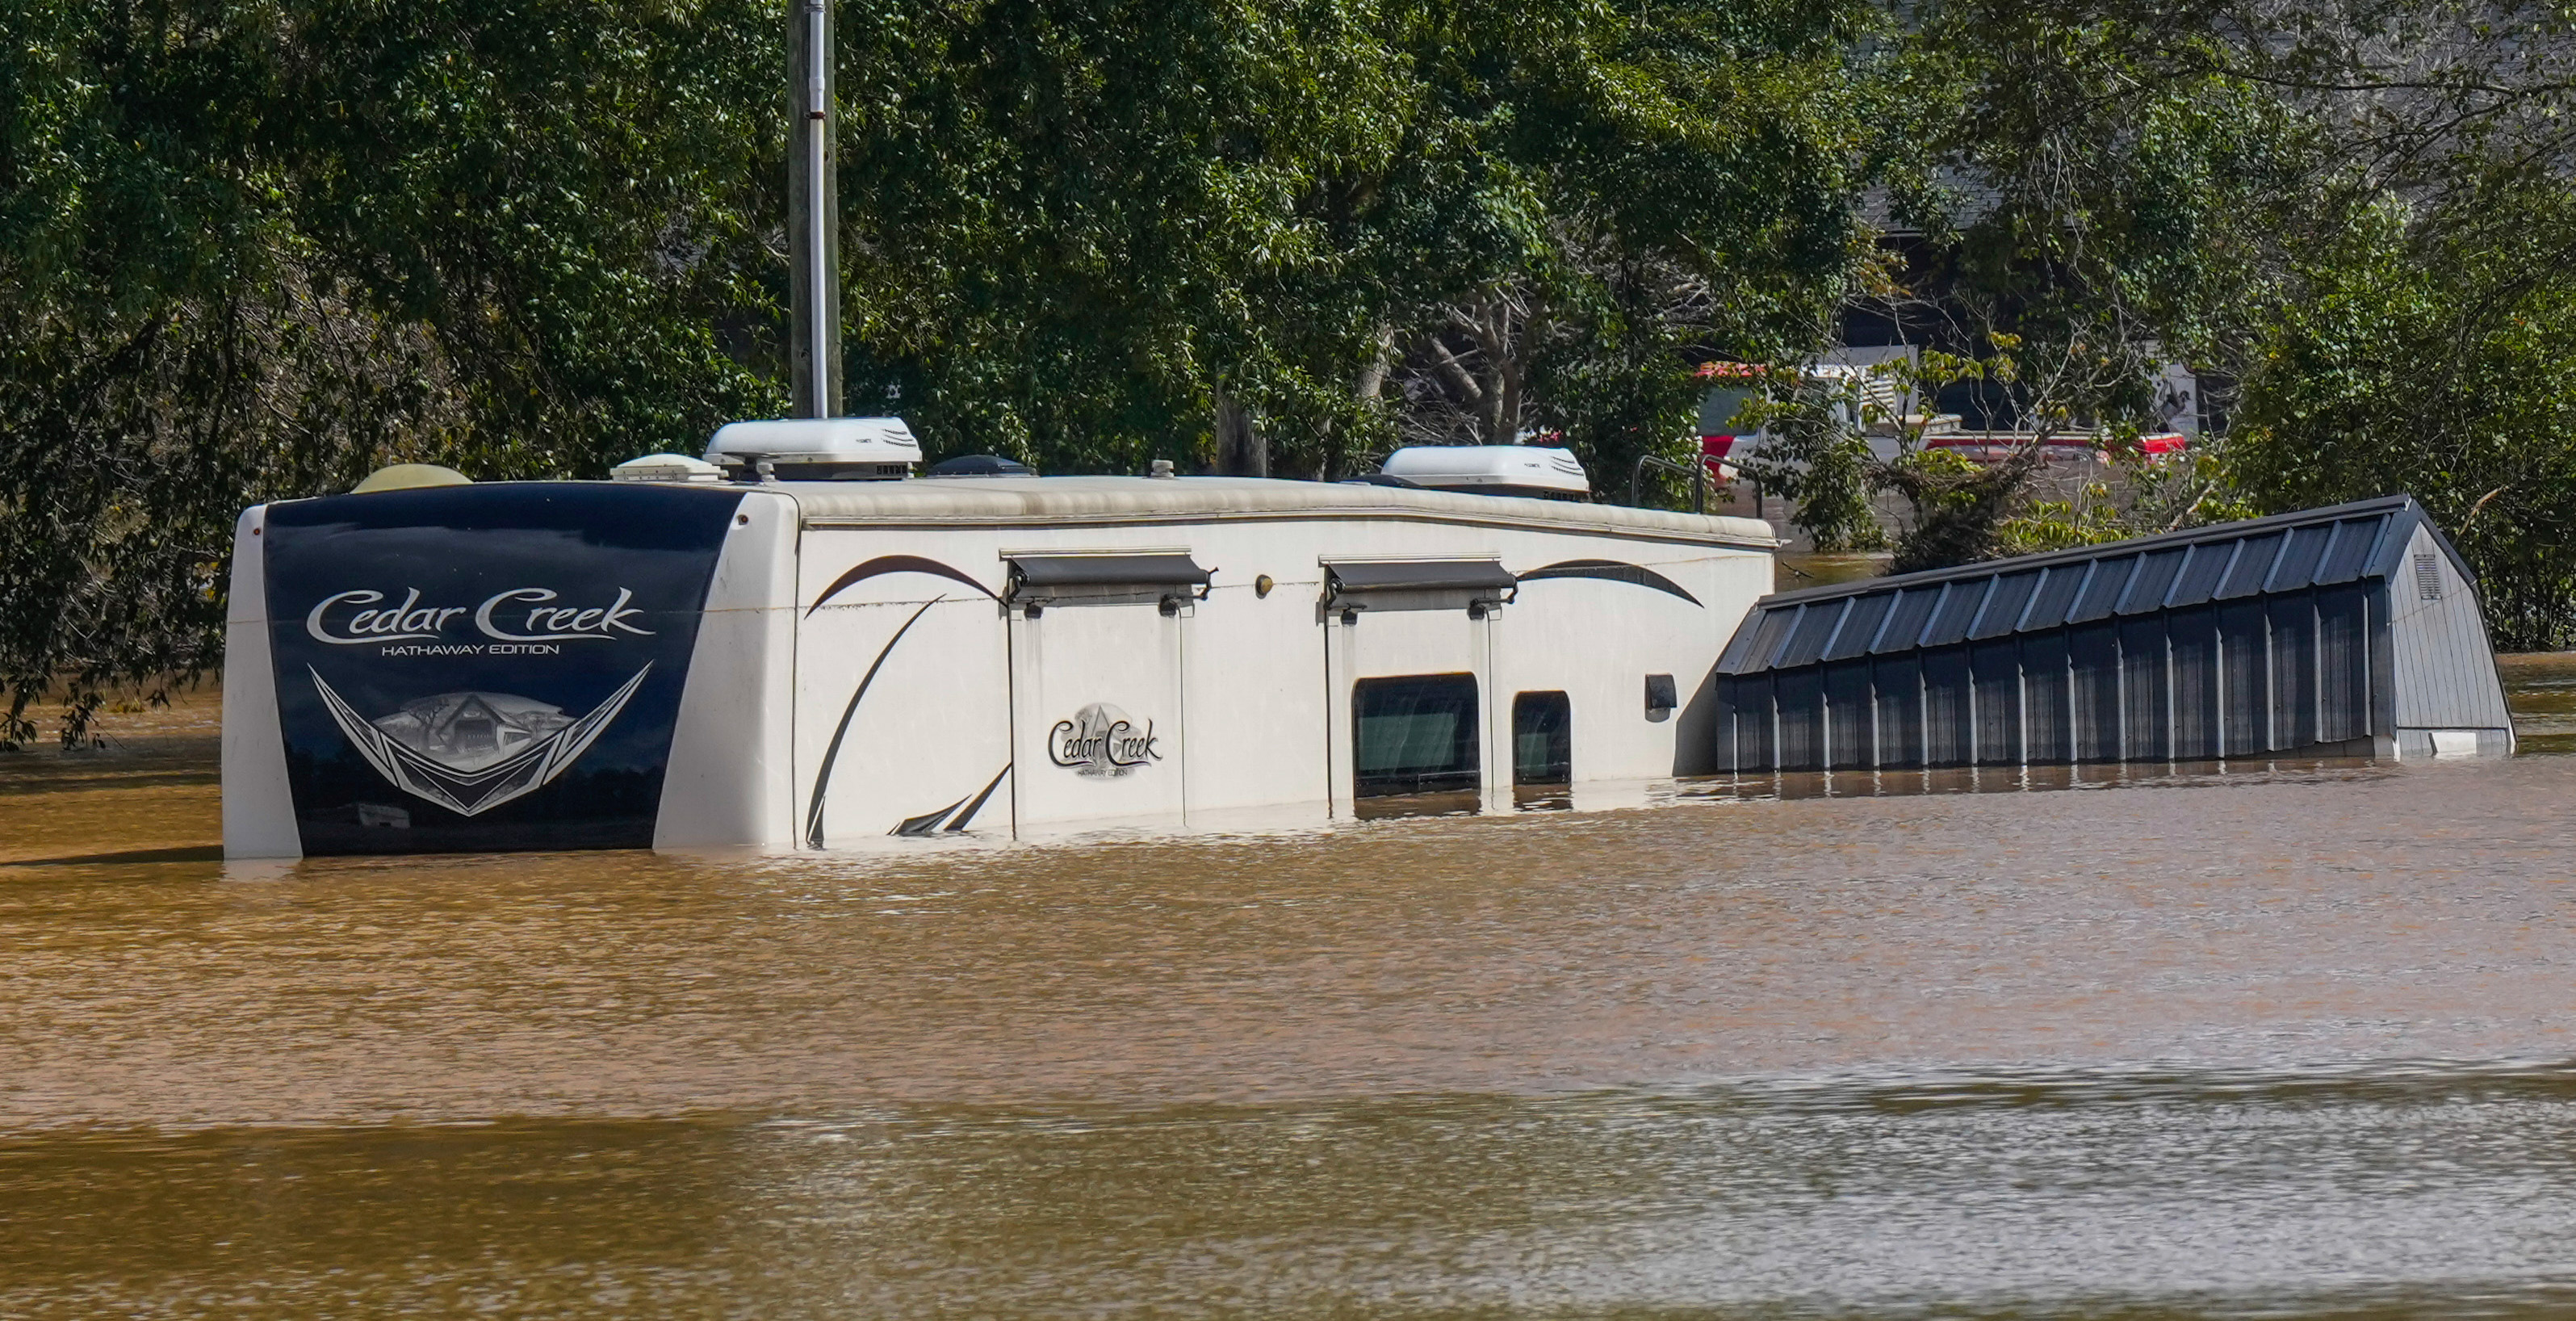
<point x="2428" y="577"/>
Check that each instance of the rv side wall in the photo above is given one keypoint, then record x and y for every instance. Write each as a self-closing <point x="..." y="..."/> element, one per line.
<point x="925" y="705"/>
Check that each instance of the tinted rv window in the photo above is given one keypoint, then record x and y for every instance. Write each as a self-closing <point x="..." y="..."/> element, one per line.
<point x="1414" y="735"/>
<point x="1542" y="739"/>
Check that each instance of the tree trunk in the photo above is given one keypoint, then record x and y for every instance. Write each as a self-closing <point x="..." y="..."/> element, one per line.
<point x="1241" y="449"/>
<point x="1373" y="376"/>
<point x="1371" y="383"/>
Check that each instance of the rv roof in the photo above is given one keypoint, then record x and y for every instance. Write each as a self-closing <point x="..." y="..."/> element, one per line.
<point x="1155" y="500"/>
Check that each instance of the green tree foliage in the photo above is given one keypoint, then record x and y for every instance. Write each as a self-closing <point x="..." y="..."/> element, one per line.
<point x="2432" y="355"/>
<point x="1083" y="223"/>
<point x="2106" y="181"/>
<point x="252" y="250"/>
<point x="2093" y="189"/>
<point x="2420" y="341"/>
<point x="1815" y="458"/>
<point x="2350" y="207"/>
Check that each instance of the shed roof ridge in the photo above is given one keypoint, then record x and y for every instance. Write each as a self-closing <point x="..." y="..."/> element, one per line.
<point x="2358" y="541"/>
<point x="2242" y="528"/>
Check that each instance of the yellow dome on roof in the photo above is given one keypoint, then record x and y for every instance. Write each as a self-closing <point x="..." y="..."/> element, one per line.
<point x="407" y="476"/>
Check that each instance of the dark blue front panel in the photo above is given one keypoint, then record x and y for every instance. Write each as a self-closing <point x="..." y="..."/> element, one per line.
<point x="485" y="668"/>
<point x="2343" y="664"/>
<point x="1756" y="724"/>
<point x="2245" y="673"/>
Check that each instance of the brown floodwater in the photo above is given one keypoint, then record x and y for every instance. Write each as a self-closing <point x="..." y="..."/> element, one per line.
<point x="2290" y="1039"/>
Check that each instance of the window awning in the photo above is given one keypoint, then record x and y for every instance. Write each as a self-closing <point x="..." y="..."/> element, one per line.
<point x="1354" y="577"/>
<point x="1473" y="585"/>
<point x="1050" y="576"/>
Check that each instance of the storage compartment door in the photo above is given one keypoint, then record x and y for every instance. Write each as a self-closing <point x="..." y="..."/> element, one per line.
<point x="1096" y="718"/>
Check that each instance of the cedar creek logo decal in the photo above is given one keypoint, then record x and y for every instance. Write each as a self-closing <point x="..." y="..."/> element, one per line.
<point x="1101" y="741"/>
<point x="519" y="615"/>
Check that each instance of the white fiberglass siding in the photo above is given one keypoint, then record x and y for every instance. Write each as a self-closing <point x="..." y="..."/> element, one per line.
<point x="1233" y="708"/>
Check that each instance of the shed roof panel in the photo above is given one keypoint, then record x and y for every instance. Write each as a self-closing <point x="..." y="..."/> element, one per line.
<point x="2305" y="550"/>
<point x="1860" y="627"/>
<point x="1774" y="630"/>
<point x="2201" y="571"/>
<point x="2003" y="609"/>
<point x="1808" y="637"/>
<point x="2255" y="557"/>
<point x="1905" y="620"/>
<point x="2056" y="594"/>
<point x="1954" y="611"/>
<point x="2155" y="578"/>
<point x="2349" y="553"/>
<point x="2105" y="580"/>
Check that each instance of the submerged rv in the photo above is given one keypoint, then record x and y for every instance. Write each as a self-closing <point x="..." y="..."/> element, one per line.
<point x="754" y="650"/>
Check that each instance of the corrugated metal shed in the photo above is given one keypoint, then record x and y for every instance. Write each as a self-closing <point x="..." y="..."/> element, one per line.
<point x="2351" y="630"/>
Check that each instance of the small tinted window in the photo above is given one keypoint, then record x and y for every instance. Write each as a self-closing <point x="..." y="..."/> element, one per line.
<point x="1542" y="739"/>
<point x="1415" y="735"/>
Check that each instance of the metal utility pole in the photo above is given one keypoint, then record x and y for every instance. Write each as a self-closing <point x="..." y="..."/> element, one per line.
<point x="813" y="215"/>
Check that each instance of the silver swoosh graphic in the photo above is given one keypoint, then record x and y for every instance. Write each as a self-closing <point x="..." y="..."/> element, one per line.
<point x="471" y="793"/>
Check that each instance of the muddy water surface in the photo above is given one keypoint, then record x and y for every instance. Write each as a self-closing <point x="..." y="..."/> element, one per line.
<point x="2286" y="1040"/>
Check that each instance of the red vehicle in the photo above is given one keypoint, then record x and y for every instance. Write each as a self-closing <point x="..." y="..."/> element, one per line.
<point x="1993" y="446"/>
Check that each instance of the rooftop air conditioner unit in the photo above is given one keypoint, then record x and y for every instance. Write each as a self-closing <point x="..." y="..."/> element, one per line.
<point x="1492" y="470"/>
<point x="823" y="449"/>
